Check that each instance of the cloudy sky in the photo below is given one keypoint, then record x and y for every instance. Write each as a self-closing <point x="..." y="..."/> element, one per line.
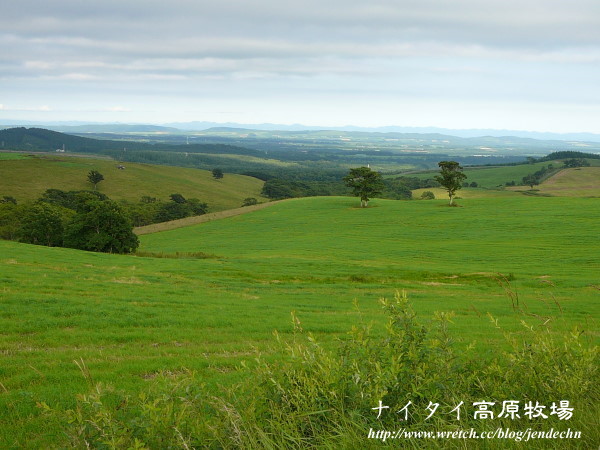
<point x="504" y="64"/>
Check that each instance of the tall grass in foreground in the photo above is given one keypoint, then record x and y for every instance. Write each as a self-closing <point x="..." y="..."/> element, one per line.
<point x="314" y="397"/>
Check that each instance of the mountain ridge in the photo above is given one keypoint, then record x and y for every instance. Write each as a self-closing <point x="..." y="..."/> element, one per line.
<point x="80" y="127"/>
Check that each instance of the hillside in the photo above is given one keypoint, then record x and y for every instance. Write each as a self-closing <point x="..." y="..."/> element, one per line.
<point x="580" y="182"/>
<point x="575" y="182"/>
<point x="27" y="177"/>
<point x="39" y="139"/>
<point x="128" y="320"/>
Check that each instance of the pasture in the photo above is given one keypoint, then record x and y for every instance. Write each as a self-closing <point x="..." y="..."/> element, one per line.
<point x="575" y="182"/>
<point x="26" y="177"/>
<point x="215" y="292"/>
<point x="492" y="177"/>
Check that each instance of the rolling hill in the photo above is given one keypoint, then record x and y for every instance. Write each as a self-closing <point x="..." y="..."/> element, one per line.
<point x="39" y="139"/>
<point x="574" y="182"/>
<point x="26" y="177"/>
<point x="128" y="319"/>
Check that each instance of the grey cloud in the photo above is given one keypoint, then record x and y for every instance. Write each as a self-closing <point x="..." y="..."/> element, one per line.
<point x="482" y="49"/>
<point x="525" y="22"/>
<point x="264" y="28"/>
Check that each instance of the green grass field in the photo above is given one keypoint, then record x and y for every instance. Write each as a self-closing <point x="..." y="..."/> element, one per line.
<point x="491" y="177"/>
<point x="128" y="317"/>
<point x="26" y="178"/>
<point x="5" y="156"/>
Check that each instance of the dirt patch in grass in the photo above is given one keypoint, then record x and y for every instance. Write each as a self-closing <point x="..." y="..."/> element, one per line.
<point x="180" y="223"/>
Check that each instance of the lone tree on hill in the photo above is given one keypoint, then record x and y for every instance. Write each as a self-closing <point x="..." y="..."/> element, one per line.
<point x="217" y="174"/>
<point x="450" y="177"/>
<point x="365" y="183"/>
<point x="95" y="177"/>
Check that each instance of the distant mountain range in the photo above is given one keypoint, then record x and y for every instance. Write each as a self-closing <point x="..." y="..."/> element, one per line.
<point x="589" y="137"/>
<point x="40" y="139"/>
<point x="84" y="127"/>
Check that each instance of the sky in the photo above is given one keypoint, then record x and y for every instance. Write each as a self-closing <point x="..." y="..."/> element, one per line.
<point x="502" y="64"/>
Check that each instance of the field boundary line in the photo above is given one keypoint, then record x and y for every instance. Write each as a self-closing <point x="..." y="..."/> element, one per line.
<point x="194" y="220"/>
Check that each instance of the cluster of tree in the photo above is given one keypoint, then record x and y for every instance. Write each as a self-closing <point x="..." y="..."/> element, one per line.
<point x="576" y="162"/>
<point x="303" y="174"/>
<point x="568" y="155"/>
<point x="417" y="183"/>
<point x="58" y="219"/>
<point x="366" y="183"/>
<point x="150" y="210"/>
<point x="537" y="177"/>
<point x="396" y="189"/>
<point x="277" y="188"/>
<point x="83" y="220"/>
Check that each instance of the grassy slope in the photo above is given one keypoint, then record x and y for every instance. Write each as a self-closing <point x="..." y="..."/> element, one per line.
<point x="578" y="182"/>
<point x="194" y="220"/>
<point x="28" y="178"/>
<point x="468" y="193"/>
<point x="128" y="317"/>
<point x="491" y="177"/>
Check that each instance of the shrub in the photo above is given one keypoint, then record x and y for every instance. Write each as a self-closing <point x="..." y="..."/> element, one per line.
<point x="427" y="195"/>
<point x="317" y="397"/>
<point x="249" y="201"/>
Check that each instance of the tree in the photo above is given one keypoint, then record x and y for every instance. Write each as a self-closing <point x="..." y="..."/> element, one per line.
<point x="427" y="195"/>
<point x="365" y="183"/>
<point x="217" y="174"/>
<point x="531" y="180"/>
<point x="101" y="226"/>
<point x="42" y="224"/>
<point x="450" y="177"/>
<point x="10" y="220"/>
<point x="95" y="177"/>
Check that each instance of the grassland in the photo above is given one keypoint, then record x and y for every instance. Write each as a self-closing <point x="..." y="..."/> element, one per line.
<point x="5" y="156"/>
<point x="194" y="220"/>
<point x="491" y="177"/>
<point x="26" y="178"/>
<point x="128" y="317"/>
<point x="576" y="182"/>
<point x="466" y="193"/>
